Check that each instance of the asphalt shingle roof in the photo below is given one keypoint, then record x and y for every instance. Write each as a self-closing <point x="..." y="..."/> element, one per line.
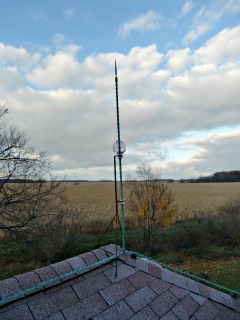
<point x="141" y="290"/>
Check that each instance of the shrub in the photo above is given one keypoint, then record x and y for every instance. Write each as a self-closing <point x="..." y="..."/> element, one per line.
<point x="151" y="202"/>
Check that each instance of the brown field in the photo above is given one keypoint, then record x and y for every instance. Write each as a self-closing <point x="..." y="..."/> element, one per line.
<point x="96" y="200"/>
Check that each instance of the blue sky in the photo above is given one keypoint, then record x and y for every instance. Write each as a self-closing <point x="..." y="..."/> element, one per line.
<point x="95" y="24"/>
<point x="179" y="73"/>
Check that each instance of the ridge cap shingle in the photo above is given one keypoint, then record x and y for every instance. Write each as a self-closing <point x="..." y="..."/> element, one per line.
<point x="16" y="284"/>
<point x="183" y="282"/>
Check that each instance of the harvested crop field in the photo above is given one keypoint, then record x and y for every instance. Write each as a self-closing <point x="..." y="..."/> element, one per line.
<point x="96" y="201"/>
<point x="195" y="199"/>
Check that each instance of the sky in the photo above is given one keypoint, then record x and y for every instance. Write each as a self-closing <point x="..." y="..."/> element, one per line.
<point x="178" y="75"/>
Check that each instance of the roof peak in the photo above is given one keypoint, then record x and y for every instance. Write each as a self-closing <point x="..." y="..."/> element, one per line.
<point x="137" y="277"/>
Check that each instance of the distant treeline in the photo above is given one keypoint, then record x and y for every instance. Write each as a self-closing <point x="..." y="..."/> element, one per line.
<point x="223" y="176"/>
<point x="45" y="181"/>
<point x="2" y="181"/>
<point x="80" y="181"/>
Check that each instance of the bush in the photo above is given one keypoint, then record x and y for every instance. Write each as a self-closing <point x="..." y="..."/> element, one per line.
<point x="151" y="203"/>
<point x="203" y="233"/>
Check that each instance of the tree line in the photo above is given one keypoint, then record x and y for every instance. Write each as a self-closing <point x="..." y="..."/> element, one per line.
<point x="221" y="176"/>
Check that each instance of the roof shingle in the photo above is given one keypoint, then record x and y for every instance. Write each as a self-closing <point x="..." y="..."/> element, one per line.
<point x="98" y="286"/>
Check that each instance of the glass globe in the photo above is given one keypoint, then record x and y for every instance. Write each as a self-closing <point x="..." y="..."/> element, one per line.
<point x="116" y="147"/>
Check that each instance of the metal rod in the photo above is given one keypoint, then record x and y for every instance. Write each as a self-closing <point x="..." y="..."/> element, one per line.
<point x="117" y="107"/>
<point x="116" y="204"/>
<point x="115" y="182"/>
<point x="122" y="205"/>
<point x="120" y="161"/>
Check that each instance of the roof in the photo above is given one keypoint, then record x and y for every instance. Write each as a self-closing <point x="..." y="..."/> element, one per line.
<point x="86" y="287"/>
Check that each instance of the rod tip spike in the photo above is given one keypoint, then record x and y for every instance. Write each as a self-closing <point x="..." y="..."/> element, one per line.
<point x="115" y="67"/>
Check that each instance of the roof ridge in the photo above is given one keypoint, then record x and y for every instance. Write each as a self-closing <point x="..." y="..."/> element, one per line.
<point x="20" y="286"/>
<point x="155" y="269"/>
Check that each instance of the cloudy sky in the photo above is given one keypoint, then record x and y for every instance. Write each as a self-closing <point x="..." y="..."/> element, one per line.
<point x="179" y="83"/>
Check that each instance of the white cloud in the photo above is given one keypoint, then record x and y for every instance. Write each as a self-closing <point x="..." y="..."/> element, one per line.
<point x="233" y="6"/>
<point x="205" y="19"/>
<point x="69" y="13"/>
<point x="59" y="40"/>
<point x="196" y="32"/>
<point x="187" y="7"/>
<point x="206" y="91"/>
<point x="56" y="158"/>
<point x="203" y="154"/>
<point x="60" y="69"/>
<point x="38" y="16"/>
<point x="178" y="60"/>
<point x="149" y="22"/>
<point x="18" y="57"/>
<point x="10" y="80"/>
<point x="206" y="96"/>
<point x="219" y="151"/>
<point x="225" y="46"/>
<point x="161" y="98"/>
<point x="63" y="68"/>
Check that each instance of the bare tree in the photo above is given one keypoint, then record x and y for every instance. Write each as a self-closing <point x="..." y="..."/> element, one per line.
<point x="151" y="202"/>
<point x="30" y="198"/>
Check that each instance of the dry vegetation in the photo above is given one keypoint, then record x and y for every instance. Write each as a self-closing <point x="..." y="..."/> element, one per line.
<point x="96" y="202"/>
<point x="196" y="199"/>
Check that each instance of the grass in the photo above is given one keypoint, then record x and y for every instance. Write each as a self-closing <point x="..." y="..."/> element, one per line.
<point x="13" y="261"/>
<point x="223" y="272"/>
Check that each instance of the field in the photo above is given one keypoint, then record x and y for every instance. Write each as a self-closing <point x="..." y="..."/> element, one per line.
<point x="96" y="200"/>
